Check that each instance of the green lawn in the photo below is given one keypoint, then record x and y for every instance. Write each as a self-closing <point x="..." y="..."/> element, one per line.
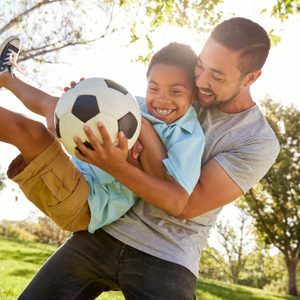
<point x="19" y="261"/>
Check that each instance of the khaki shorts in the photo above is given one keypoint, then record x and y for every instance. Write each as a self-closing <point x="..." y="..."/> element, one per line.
<point x="53" y="184"/>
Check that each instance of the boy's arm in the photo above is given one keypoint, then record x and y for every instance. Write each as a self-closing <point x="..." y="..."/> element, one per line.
<point x="153" y="151"/>
<point x="166" y="194"/>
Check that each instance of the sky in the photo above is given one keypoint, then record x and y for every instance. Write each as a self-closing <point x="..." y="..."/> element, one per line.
<point x="279" y="80"/>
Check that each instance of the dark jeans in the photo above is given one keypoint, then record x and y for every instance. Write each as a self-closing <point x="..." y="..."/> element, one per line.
<point x="89" y="264"/>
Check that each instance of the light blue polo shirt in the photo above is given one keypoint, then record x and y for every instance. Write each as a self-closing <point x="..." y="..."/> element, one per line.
<point x="184" y="140"/>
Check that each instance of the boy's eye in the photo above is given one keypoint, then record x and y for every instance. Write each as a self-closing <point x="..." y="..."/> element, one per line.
<point x="152" y="89"/>
<point x="176" y="92"/>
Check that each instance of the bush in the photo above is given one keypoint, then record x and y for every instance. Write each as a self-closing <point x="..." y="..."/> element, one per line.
<point x="39" y="229"/>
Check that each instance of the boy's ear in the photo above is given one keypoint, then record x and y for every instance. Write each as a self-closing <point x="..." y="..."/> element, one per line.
<point x="251" y="78"/>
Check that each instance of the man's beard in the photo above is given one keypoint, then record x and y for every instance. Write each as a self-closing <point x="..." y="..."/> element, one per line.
<point x="221" y="103"/>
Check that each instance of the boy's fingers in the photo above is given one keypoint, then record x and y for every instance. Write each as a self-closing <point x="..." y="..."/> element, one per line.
<point x="92" y="138"/>
<point x="82" y="149"/>
<point x="104" y="134"/>
<point x="123" y="142"/>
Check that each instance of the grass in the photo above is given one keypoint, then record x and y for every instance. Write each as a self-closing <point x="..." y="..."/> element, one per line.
<point x="19" y="261"/>
<point x="216" y="290"/>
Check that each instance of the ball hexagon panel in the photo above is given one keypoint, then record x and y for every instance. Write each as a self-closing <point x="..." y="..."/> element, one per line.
<point x="111" y="125"/>
<point x="117" y="106"/>
<point x="71" y="127"/>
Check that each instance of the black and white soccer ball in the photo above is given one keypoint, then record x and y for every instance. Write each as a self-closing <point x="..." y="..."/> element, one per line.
<point x="93" y="100"/>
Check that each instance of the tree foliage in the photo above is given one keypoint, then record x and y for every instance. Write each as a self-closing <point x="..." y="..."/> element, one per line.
<point x="275" y="202"/>
<point x="285" y="8"/>
<point x="48" y="26"/>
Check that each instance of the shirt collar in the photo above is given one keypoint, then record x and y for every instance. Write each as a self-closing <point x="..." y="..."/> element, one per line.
<point x="187" y="122"/>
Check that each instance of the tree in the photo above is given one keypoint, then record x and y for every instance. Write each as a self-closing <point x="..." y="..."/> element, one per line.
<point x="210" y="266"/>
<point x="234" y="248"/>
<point x="274" y="204"/>
<point x="44" y="35"/>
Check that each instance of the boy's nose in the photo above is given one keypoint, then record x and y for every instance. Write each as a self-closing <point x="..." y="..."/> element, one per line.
<point x="163" y="97"/>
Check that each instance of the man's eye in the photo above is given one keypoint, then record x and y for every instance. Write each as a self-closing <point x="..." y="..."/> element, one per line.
<point x="217" y="78"/>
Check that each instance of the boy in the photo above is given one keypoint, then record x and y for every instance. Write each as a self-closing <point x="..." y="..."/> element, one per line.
<point x="47" y="176"/>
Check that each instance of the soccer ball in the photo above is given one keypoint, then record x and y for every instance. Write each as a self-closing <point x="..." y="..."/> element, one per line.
<point x="93" y="100"/>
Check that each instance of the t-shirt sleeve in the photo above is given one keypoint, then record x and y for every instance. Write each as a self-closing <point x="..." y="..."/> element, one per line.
<point x="184" y="161"/>
<point x="247" y="164"/>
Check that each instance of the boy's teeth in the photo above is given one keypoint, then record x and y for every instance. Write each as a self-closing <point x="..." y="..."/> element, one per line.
<point x="164" y="111"/>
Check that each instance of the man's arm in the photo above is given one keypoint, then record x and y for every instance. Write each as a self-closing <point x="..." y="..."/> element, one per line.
<point x="214" y="189"/>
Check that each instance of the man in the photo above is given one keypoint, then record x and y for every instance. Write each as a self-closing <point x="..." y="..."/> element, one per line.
<point x="149" y="254"/>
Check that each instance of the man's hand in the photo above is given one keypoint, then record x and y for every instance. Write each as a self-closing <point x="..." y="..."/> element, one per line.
<point x="72" y="84"/>
<point x="134" y="153"/>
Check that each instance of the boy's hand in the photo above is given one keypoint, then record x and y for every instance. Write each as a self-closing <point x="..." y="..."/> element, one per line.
<point x="110" y="158"/>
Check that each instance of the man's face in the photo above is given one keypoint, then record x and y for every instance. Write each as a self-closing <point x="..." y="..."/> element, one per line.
<point x="218" y="78"/>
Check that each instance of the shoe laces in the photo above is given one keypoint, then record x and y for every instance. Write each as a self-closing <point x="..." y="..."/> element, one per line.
<point x="10" y="60"/>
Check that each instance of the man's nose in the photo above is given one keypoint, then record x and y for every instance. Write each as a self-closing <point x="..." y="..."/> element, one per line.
<point x="202" y="79"/>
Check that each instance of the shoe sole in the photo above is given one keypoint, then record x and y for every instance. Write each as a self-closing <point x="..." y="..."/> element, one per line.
<point x="8" y="40"/>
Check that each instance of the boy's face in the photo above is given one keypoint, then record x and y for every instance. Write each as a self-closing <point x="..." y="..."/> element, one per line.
<point x="218" y="78"/>
<point x="169" y="92"/>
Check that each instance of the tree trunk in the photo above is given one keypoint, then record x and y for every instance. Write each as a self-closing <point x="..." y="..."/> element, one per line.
<point x="292" y="287"/>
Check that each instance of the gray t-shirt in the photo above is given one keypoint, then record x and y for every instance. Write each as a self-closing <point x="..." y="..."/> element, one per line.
<point x="245" y="146"/>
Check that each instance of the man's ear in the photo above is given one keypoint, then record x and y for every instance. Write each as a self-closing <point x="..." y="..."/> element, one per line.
<point x="251" y="78"/>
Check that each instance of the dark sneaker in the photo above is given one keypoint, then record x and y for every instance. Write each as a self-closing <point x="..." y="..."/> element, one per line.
<point x="9" y="52"/>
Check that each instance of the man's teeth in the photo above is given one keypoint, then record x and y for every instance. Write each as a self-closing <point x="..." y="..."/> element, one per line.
<point x="206" y="93"/>
<point x="163" y="112"/>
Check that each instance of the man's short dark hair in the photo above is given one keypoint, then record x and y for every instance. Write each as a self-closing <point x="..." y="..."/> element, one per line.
<point x="247" y="37"/>
<point x="176" y="55"/>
